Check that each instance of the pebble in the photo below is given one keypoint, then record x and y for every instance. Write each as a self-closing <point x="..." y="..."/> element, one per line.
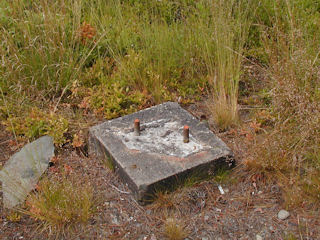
<point x="218" y="209"/>
<point x="206" y="217"/>
<point x="258" y="237"/>
<point x="114" y="219"/>
<point x="283" y="214"/>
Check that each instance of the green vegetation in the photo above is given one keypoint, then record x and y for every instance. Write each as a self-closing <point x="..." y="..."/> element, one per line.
<point x="111" y="58"/>
<point x="36" y="123"/>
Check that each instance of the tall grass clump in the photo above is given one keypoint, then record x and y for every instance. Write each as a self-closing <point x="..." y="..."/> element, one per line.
<point x="231" y="24"/>
<point x="290" y="152"/>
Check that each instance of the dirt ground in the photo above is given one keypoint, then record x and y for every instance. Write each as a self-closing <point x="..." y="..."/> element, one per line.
<point x="247" y="210"/>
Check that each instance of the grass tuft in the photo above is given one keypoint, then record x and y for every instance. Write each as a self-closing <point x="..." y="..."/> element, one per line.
<point x="173" y="230"/>
<point x="60" y="205"/>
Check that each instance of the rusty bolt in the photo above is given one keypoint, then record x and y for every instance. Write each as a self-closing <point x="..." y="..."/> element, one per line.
<point x="136" y="127"/>
<point x="186" y="134"/>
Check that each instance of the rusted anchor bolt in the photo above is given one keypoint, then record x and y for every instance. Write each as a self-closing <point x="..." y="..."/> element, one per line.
<point x="136" y="127"/>
<point x="186" y="134"/>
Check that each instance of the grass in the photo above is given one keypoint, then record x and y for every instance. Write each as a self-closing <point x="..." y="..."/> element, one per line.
<point x="60" y="205"/>
<point x="231" y="27"/>
<point x="290" y="150"/>
<point x="173" y="230"/>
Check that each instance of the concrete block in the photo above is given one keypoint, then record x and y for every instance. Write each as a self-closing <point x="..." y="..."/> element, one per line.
<point x="158" y="154"/>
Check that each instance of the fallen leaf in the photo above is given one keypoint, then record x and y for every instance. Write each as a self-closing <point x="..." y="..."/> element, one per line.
<point x="67" y="169"/>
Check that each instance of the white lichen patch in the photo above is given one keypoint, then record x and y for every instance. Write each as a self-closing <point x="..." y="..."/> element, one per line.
<point x="162" y="136"/>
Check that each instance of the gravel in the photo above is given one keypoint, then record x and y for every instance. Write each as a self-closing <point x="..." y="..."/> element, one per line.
<point x="283" y="214"/>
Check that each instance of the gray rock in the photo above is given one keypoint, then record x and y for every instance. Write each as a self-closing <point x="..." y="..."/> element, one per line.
<point x="283" y="214"/>
<point x="258" y="237"/>
<point x="23" y="170"/>
<point x="114" y="219"/>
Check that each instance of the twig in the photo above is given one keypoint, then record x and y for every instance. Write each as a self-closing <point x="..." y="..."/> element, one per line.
<point x="253" y="108"/>
<point x="120" y="191"/>
<point x="4" y="142"/>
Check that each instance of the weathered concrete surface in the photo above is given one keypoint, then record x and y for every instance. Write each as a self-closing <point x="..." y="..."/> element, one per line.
<point x="158" y="155"/>
<point x="23" y="170"/>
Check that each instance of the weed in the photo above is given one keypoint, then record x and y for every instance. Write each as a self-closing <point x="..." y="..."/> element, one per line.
<point x="163" y="201"/>
<point x="222" y="175"/>
<point x="14" y="216"/>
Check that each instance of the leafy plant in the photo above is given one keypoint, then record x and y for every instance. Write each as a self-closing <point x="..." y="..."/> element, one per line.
<point x="37" y="123"/>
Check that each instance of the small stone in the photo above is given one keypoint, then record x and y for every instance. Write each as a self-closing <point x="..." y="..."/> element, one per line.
<point x="275" y="189"/>
<point x="218" y="209"/>
<point x="204" y="238"/>
<point x="283" y="214"/>
<point x="206" y="217"/>
<point x="114" y="220"/>
<point x="258" y="237"/>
